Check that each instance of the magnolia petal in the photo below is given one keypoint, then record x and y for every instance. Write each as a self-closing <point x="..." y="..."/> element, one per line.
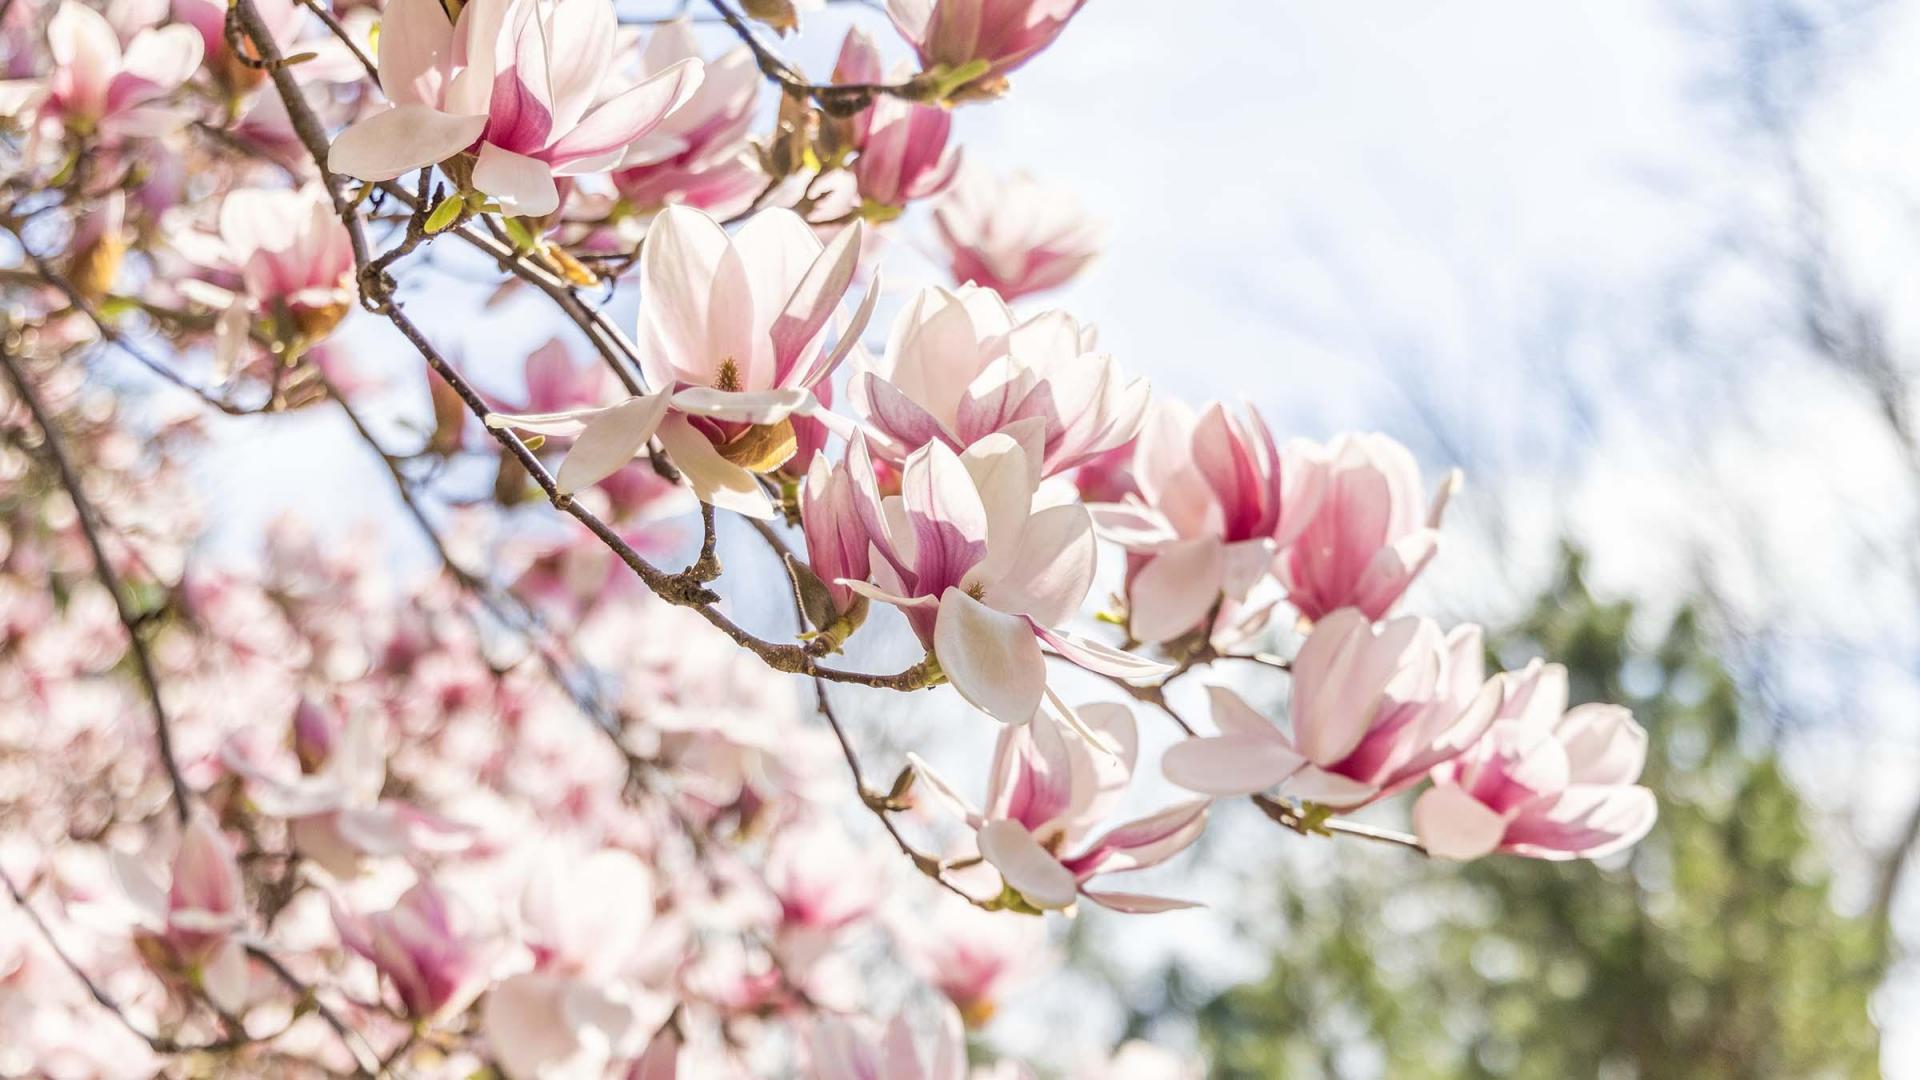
<point x="1175" y="589"/>
<point x="1027" y="867"/>
<point x="1052" y="567"/>
<point x="1314" y="784"/>
<point x="943" y="791"/>
<point x="990" y="657"/>
<point x="813" y="301"/>
<point x="564" y="424"/>
<point x="400" y="140"/>
<point x="1138" y="903"/>
<point x="224" y="977"/>
<point x="1230" y="764"/>
<point x="620" y="120"/>
<point x="610" y="441"/>
<point x="1455" y="825"/>
<point x="1100" y="657"/>
<point x="522" y="185"/>
<point x="415" y="39"/>
<point x="742" y="406"/>
<point x="718" y="482"/>
<point x="1588" y="821"/>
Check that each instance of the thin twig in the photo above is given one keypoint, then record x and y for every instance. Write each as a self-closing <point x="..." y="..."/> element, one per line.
<point x="90" y="525"/>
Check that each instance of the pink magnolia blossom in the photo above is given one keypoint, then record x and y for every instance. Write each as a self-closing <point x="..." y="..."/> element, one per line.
<point x="972" y="957"/>
<point x="1373" y="710"/>
<point x="901" y="147"/>
<point x="423" y="947"/>
<point x="525" y="84"/>
<point x="586" y="918"/>
<point x="1368" y="541"/>
<point x="839" y="548"/>
<point x="959" y="367"/>
<point x="1544" y="781"/>
<point x="734" y="331"/>
<point x="295" y="264"/>
<point x="1049" y="787"/>
<point x="993" y="36"/>
<point x="699" y="155"/>
<point x="841" y="1050"/>
<point x="98" y="87"/>
<point x="193" y="925"/>
<point x="336" y="814"/>
<point x="1014" y="236"/>
<point x="982" y="575"/>
<point x="1217" y="500"/>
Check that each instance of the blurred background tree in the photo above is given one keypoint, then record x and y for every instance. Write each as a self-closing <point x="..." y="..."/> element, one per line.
<point x="1713" y="951"/>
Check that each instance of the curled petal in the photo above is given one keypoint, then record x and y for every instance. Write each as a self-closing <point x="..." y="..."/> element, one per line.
<point x="990" y="657"/>
<point x="400" y="140"/>
<point x="1026" y="866"/>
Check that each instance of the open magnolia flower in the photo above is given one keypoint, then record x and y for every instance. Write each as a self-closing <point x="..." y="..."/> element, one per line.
<point x="982" y="575"/>
<point x="1049" y="788"/>
<point x="960" y="367"/>
<point x="522" y="84"/>
<point x="1373" y="710"/>
<point x="295" y="263"/>
<point x="97" y="87"/>
<point x="1217" y="500"/>
<point x="734" y="341"/>
<point x="1368" y="541"/>
<point x="1014" y="236"/>
<point x="192" y="926"/>
<point x="1544" y="781"/>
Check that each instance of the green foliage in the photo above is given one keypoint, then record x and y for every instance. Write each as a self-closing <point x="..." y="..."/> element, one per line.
<point x="1715" y="952"/>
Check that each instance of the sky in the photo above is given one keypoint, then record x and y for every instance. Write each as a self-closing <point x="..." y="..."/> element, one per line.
<point x="1549" y="243"/>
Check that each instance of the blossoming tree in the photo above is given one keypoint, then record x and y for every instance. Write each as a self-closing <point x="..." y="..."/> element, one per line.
<point x="556" y="810"/>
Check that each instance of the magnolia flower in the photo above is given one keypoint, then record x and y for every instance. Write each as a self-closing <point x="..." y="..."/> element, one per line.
<point x="1013" y="236"/>
<point x="1544" y="781"/>
<point x="982" y="576"/>
<point x="974" y="958"/>
<point x="423" y="947"/>
<point x="192" y="925"/>
<point x="990" y="37"/>
<point x="1367" y="543"/>
<point x="1216" y="501"/>
<point x="585" y="919"/>
<point x="959" y="367"/>
<point x="734" y="332"/>
<point x="97" y="87"/>
<point x="700" y="154"/>
<point x="1373" y="710"/>
<point x="839" y="548"/>
<point x="295" y="262"/>
<point x="842" y="1051"/>
<point x="524" y="84"/>
<point x="1049" y="787"/>
<point x="335" y="813"/>
<point x="902" y="146"/>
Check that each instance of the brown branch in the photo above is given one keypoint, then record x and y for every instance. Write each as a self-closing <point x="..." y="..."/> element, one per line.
<point x="90" y="526"/>
<point x="837" y="99"/>
<point x="160" y="1043"/>
<point x="112" y="334"/>
<point x="502" y="604"/>
<point x="882" y="805"/>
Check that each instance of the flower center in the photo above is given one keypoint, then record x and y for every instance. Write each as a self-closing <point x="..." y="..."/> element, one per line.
<point x="729" y="377"/>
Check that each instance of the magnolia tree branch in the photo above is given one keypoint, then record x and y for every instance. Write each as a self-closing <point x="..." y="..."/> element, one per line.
<point x="90" y="525"/>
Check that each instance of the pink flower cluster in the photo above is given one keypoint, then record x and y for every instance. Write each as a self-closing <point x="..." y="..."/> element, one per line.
<point x="552" y="808"/>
